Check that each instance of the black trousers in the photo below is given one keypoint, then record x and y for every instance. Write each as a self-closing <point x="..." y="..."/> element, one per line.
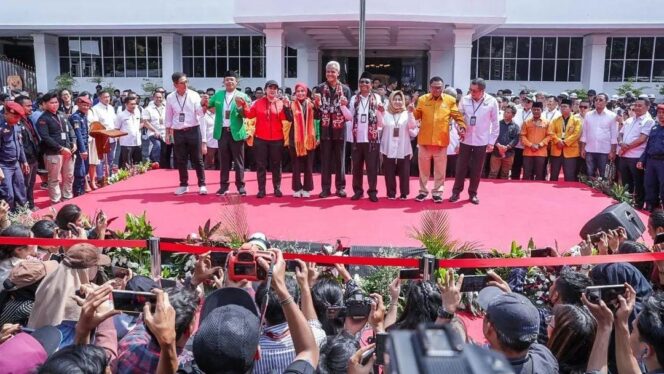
<point x="469" y="160"/>
<point x="633" y="178"/>
<point x="569" y="166"/>
<point x="187" y="147"/>
<point x="130" y="155"/>
<point x="331" y="156"/>
<point x="517" y="166"/>
<point x="165" y="154"/>
<point x="451" y="166"/>
<point x="302" y="165"/>
<point x="231" y="151"/>
<point x="393" y="167"/>
<point x="365" y="155"/>
<point x="264" y="150"/>
<point x="534" y="167"/>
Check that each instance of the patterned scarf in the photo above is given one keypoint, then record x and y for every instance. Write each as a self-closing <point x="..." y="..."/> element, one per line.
<point x="373" y="120"/>
<point x="305" y="133"/>
<point x="331" y="114"/>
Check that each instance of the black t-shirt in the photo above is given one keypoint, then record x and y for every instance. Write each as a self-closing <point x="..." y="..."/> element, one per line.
<point x="300" y="367"/>
<point x="538" y="361"/>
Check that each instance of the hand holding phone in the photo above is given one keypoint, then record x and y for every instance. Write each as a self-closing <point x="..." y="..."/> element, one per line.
<point x="474" y="283"/>
<point x="609" y="294"/>
<point x="132" y="302"/>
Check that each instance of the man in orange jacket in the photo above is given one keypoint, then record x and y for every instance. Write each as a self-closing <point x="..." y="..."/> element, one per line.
<point x="535" y="136"/>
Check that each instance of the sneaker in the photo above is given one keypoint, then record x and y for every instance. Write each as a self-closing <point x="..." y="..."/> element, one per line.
<point x="341" y="193"/>
<point x="222" y="191"/>
<point x="242" y="192"/>
<point x="181" y="190"/>
<point x="454" y="197"/>
<point x="305" y="193"/>
<point x="391" y="197"/>
<point x="403" y="197"/>
<point x="297" y="194"/>
<point x="202" y="190"/>
<point x="324" y="194"/>
<point x="437" y="199"/>
<point x="421" y="197"/>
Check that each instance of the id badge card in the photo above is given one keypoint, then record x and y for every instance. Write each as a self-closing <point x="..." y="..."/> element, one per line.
<point x="227" y="114"/>
<point x="63" y="136"/>
<point x="363" y="118"/>
<point x="473" y="121"/>
<point x="395" y="132"/>
<point x="181" y="118"/>
<point x="161" y="121"/>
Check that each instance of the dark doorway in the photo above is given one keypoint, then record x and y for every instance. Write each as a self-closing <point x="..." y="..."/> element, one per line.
<point x="19" y="49"/>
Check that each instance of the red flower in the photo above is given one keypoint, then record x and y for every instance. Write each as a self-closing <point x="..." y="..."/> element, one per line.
<point x="154" y="166"/>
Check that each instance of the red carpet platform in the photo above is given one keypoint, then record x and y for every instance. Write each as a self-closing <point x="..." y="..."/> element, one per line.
<point x="508" y="210"/>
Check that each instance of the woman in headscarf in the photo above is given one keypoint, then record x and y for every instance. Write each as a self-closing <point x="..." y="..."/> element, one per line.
<point x="398" y="123"/>
<point x="302" y="138"/>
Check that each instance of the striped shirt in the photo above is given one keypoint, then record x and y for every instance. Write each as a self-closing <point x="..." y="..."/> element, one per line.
<point x="276" y="347"/>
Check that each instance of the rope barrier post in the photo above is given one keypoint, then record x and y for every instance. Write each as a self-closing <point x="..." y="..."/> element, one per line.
<point x="155" y="257"/>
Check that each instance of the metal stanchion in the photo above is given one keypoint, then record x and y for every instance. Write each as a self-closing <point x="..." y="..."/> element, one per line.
<point x="155" y="257"/>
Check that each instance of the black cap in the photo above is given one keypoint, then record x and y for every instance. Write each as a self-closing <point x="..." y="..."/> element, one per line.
<point x="366" y="75"/>
<point x="566" y="101"/>
<point x="228" y="296"/>
<point x="142" y="284"/>
<point x="271" y="82"/>
<point x="538" y="104"/>
<point x="592" y="92"/>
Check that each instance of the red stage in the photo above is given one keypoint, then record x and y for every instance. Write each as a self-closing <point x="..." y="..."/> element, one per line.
<point x="508" y="210"/>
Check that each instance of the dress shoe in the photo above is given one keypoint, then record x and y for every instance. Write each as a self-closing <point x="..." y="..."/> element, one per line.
<point x="277" y="193"/>
<point x="222" y="191"/>
<point x="356" y="197"/>
<point x="454" y="197"/>
<point x="373" y="198"/>
<point x="341" y="193"/>
<point x="324" y="194"/>
<point x="260" y="194"/>
<point x="242" y="192"/>
<point x="474" y="200"/>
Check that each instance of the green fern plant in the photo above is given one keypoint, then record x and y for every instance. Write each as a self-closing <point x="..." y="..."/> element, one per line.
<point x="233" y="226"/>
<point x="435" y="235"/>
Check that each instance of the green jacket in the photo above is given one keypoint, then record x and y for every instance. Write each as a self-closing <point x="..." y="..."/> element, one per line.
<point x="238" y="129"/>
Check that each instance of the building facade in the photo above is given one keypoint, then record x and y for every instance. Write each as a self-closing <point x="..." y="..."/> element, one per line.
<point x="550" y="46"/>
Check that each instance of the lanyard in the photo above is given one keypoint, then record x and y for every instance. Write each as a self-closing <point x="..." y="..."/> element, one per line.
<point x="472" y="102"/>
<point x="364" y="103"/>
<point x="184" y="102"/>
<point x="57" y="120"/>
<point x="228" y="100"/>
<point x="524" y="115"/>
<point x="397" y="119"/>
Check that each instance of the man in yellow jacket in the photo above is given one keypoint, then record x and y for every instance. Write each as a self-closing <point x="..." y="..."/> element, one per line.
<point x="565" y="152"/>
<point x="435" y="110"/>
<point x="535" y="136"/>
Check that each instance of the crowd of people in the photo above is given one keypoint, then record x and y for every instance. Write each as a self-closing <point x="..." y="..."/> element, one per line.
<point x="60" y="312"/>
<point x="378" y="129"/>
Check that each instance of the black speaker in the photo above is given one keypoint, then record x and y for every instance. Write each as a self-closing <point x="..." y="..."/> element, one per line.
<point x="611" y="218"/>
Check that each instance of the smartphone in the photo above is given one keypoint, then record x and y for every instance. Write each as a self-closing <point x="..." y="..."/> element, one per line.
<point x="609" y="294"/>
<point x="366" y="356"/>
<point x="659" y="238"/>
<point x="381" y="344"/>
<point x="132" y="302"/>
<point x="291" y="265"/>
<point x="541" y="252"/>
<point x="27" y="330"/>
<point x="119" y="272"/>
<point x="594" y="238"/>
<point x="168" y="283"/>
<point x="218" y="258"/>
<point x="474" y="283"/>
<point x="413" y="273"/>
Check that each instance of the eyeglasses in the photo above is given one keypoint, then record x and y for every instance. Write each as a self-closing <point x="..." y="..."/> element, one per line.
<point x="365" y="81"/>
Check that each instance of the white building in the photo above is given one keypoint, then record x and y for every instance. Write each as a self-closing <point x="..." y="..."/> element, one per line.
<point x="552" y="46"/>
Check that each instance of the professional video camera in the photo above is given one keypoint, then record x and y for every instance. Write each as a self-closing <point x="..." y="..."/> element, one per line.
<point x="439" y="349"/>
<point x="356" y="305"/>
<point x="242" y="263"/>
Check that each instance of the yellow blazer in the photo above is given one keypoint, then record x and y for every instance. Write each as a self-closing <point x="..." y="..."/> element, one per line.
<point x="434" y="116"/>
<point x="570" y="138"/>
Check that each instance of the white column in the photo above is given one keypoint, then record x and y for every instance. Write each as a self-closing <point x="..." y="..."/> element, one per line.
<point x="436" y="66"/>
<point x="274" y="54"/>
<point x="592" y="65"/>
<point x="171" y="58"/>
<point x="308" y="65"/>
<point x="47" y="61"/>
<point x="463" y="47"/>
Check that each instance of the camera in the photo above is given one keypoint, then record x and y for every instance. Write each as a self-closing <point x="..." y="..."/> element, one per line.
<point x="356" y="305"/>
<point x="439" y="349"/>
<point x="243" y="263"/>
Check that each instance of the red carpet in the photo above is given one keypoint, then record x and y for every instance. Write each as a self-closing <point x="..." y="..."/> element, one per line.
<point x="508" y="210"/>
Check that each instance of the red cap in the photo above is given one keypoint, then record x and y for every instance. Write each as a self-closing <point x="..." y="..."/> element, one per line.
<point x="660" y="107"/>
<point x="14" y="108"/>
<point x="83" y="99"/>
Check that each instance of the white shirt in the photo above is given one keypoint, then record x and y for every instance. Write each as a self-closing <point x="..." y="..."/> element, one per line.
<point x="486" y="126"/>
<point x="520" y="118"/>
<point x="455" y="139"/>
<point x="632" y="130"/>
<point x="156" y="115"/>
<point x="131" y="124"/>
<point x="549" y="115"/>
<point x="106" y="115"/>
<point x="600" y="131"/>
<point x="207" y="130"/>
<point x="228" y="101"/>
<point x="397" y="146"/>
<point x="189" y="104"/>
<point x="363" y="111"/>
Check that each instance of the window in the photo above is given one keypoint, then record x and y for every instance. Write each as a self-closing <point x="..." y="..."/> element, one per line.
<point x="511" y="58"/>
<point x="290" y="62"/>
<point x="639" y="59"/>
<point x="212" y="56"/>
<point x="110" y="56"/>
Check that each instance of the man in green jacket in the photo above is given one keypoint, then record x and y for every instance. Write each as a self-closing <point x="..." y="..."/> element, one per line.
<point x="230" y="131"/>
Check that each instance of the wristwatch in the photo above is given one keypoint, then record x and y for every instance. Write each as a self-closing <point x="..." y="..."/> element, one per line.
<point x="444" y="314"/>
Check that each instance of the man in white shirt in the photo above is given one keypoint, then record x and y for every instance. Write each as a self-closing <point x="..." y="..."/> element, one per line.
<point x="481" y="116"/>
<point x="632" y="142"/>
<point x="105" y="113"/>
<point x="522" y="115"/>
<point x="599" y="138"/>
<point x="129" y="121"/>
<point x="155" y="115"/>
<point x="364" y="113"/>
<point x="551" y="111"/>
<point x="183" y="109"/>
<point x="207" y="135"/>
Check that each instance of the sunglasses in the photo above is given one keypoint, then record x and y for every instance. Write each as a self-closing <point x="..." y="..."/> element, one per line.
<point x="365" y="81"/>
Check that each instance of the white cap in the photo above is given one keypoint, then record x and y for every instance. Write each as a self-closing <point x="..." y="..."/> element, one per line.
<point x="651" y="96"/>
<point x="573" y="95"/>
